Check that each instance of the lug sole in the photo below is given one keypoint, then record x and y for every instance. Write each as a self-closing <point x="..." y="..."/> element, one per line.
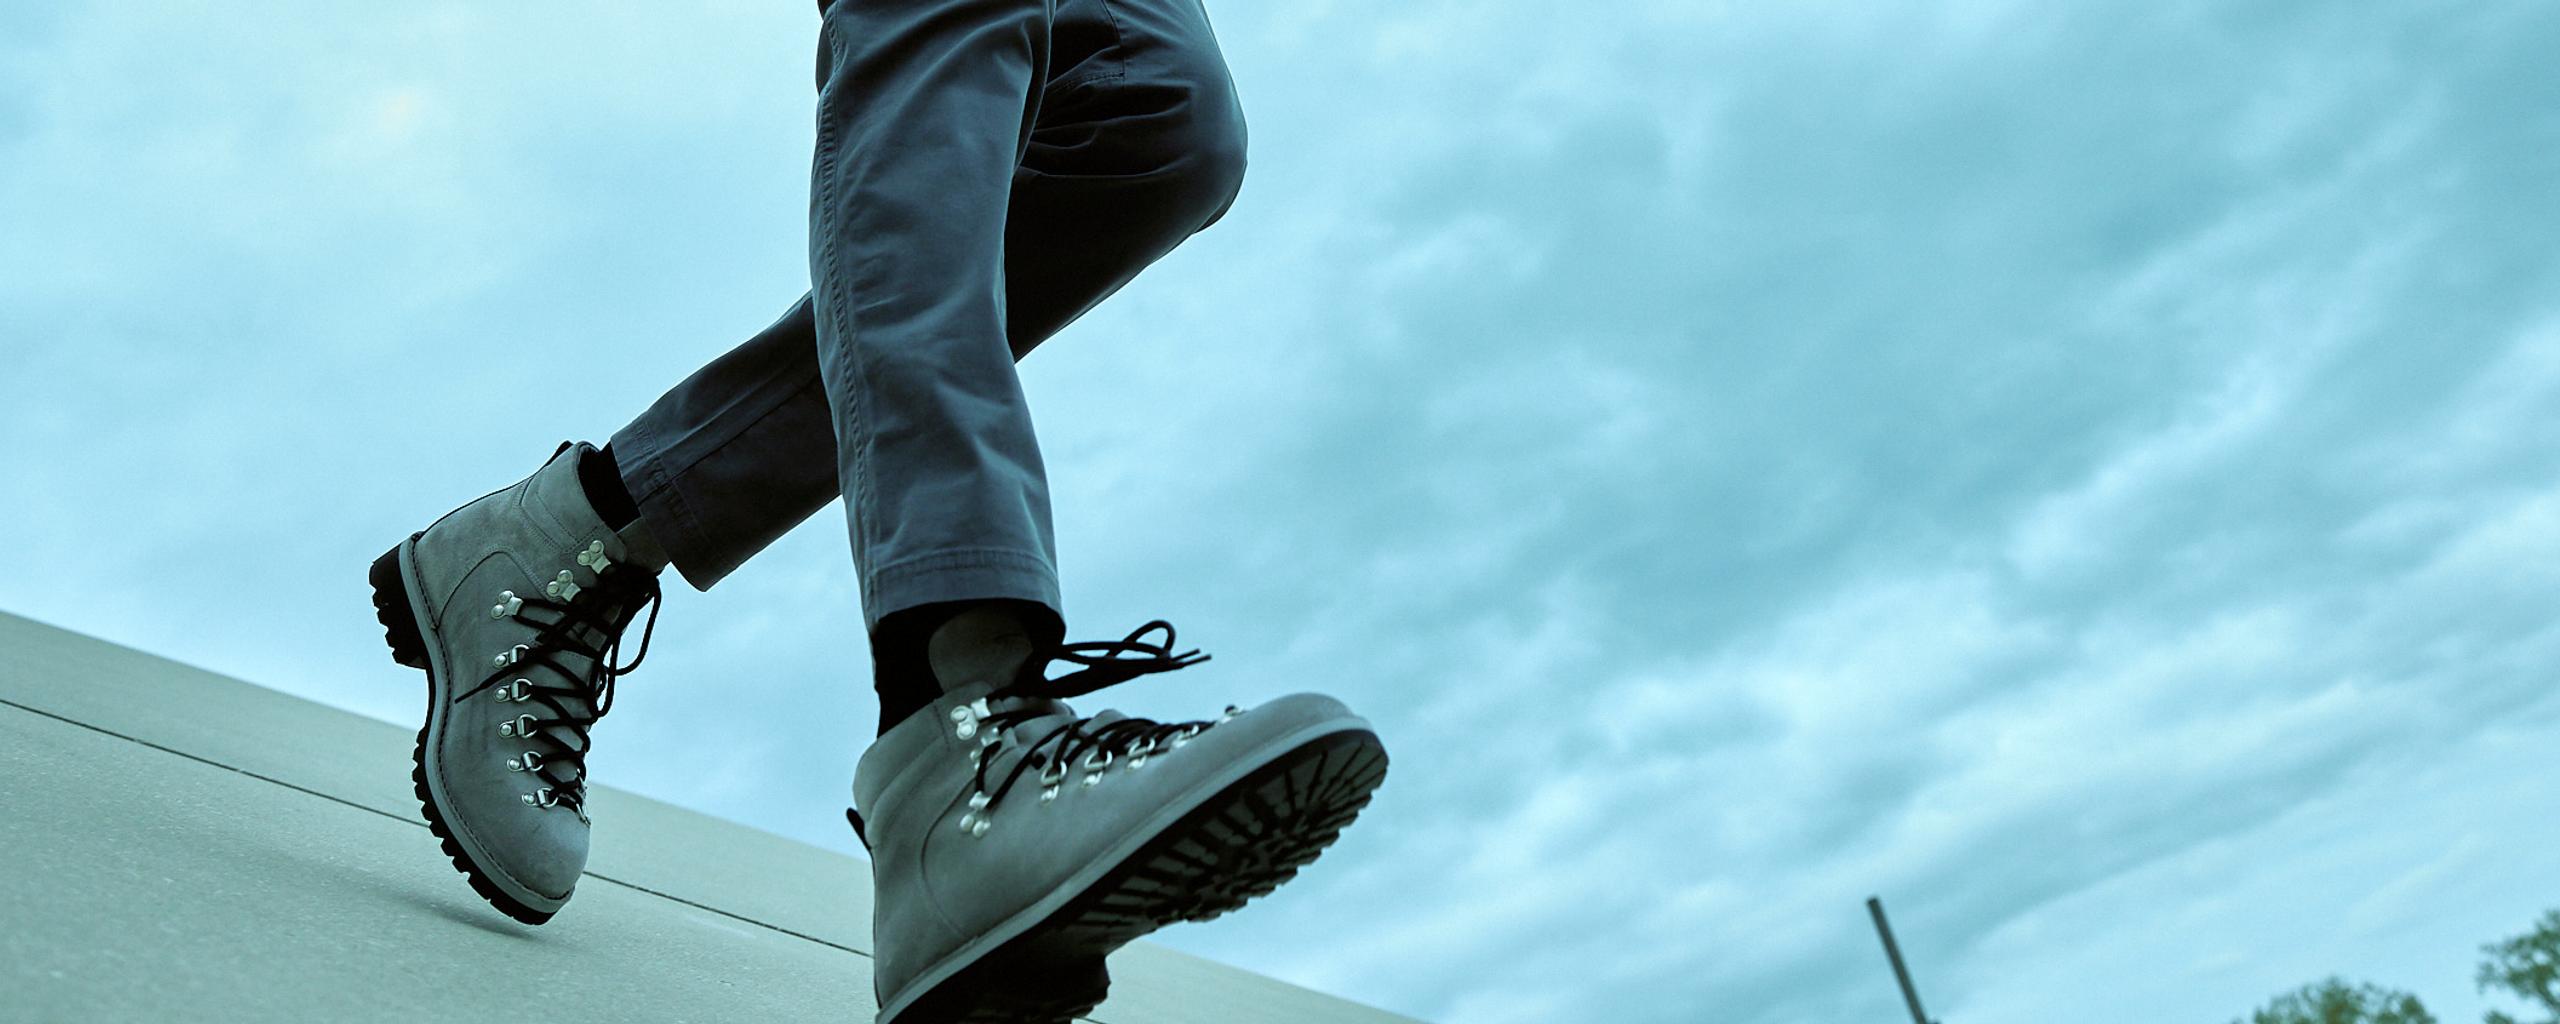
<point x="403" y="632"/>
<point x="1237" y="846"/>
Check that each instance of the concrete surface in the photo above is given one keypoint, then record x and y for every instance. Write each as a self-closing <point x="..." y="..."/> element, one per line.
<point x="177" y="845"/>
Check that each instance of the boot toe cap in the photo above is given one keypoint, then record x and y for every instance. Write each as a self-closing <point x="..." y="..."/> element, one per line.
<point x="541" y="859"/>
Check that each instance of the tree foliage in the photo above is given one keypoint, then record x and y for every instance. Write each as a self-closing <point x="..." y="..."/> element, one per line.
<point x="2527" y="967"/>
<point x="2333" y="1001"/>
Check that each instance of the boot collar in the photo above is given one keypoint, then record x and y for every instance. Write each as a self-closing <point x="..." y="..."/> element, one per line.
<point x="558" y="500"/>
<point x="944" y="732"/>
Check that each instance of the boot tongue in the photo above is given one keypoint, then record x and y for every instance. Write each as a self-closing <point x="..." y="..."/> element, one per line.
<point x="1039" y="708"/>
<point x="1107" y="717"/>
<point x="640" y="547"/>
<point x="573" y="705"/>
<point x="1038" y="732"/>
<point x="1046" y="716"/>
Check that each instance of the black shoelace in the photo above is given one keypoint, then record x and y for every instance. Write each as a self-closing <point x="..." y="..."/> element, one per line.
<point x="575" y="702"/>
<point x="1107" y="663"/>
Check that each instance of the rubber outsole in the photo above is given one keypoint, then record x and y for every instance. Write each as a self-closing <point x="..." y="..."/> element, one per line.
<point x="1241" y="844"/>
<point x="409" y="647"/>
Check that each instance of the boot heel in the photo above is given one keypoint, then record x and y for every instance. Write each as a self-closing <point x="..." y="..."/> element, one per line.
<point x="391" y="605"/>
<point x="1014" y="986"/>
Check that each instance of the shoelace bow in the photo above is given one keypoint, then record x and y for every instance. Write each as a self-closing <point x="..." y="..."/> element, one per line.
<point x="1105" y="666"/>
<point x="603" y="610"/>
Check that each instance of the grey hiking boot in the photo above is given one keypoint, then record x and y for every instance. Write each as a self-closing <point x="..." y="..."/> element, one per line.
<point x="1015" y="844"/>
<point x="514" y="605"/>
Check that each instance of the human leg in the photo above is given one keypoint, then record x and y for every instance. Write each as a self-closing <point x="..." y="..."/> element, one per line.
<point x="1111" y="181"/>
<point x="746" y="448"/>
<point x="1138" y="144"/>
<point x="923" y="112"/>
<point x="1015" y="843"/>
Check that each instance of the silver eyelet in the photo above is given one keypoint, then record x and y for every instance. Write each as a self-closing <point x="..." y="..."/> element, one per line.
<point x="522" y="726"/>
<point x="509" y="656"/>
<point x="547" y="798"/>
<point x="563" y="587"/>
<point x="967" y="723"/>
<point x="1048" y="793"/>
<point x="508" y="604"/>
<point x="978" y="801"/>
<point x="528" y="762"/>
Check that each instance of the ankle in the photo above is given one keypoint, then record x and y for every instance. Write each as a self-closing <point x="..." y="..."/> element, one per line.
<point x="920" y="653"/>
<point x="601" y="478"/>
<point x="987" y="642"/>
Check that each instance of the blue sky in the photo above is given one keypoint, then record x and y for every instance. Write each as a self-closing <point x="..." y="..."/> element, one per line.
<point x="2083" y="472"/>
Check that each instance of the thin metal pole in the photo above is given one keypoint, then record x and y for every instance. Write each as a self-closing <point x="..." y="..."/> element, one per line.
<point x="1911" y="996"/>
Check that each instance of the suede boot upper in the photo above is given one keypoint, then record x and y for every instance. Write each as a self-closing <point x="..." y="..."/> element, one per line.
<point x="519" y="600"/>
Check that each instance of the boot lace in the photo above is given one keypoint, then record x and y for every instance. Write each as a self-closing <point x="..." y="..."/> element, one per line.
<point x="1080" y="744"/>
<point x="586" y="622"/>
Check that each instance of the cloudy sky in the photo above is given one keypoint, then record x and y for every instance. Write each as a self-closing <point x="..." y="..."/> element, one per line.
<point x="2085" y="472"/>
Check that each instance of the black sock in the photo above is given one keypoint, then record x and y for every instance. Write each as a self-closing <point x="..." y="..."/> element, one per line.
<point x="900" y="668"/>
<point x="602" y="480"/>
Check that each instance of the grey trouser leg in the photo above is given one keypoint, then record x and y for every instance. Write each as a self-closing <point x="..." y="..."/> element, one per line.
<point x="986" y="171"/>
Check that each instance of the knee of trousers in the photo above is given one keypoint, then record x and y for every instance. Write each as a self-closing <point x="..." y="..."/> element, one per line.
<point x="1195" y="149"/>
<point x="1218" y="176"/>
